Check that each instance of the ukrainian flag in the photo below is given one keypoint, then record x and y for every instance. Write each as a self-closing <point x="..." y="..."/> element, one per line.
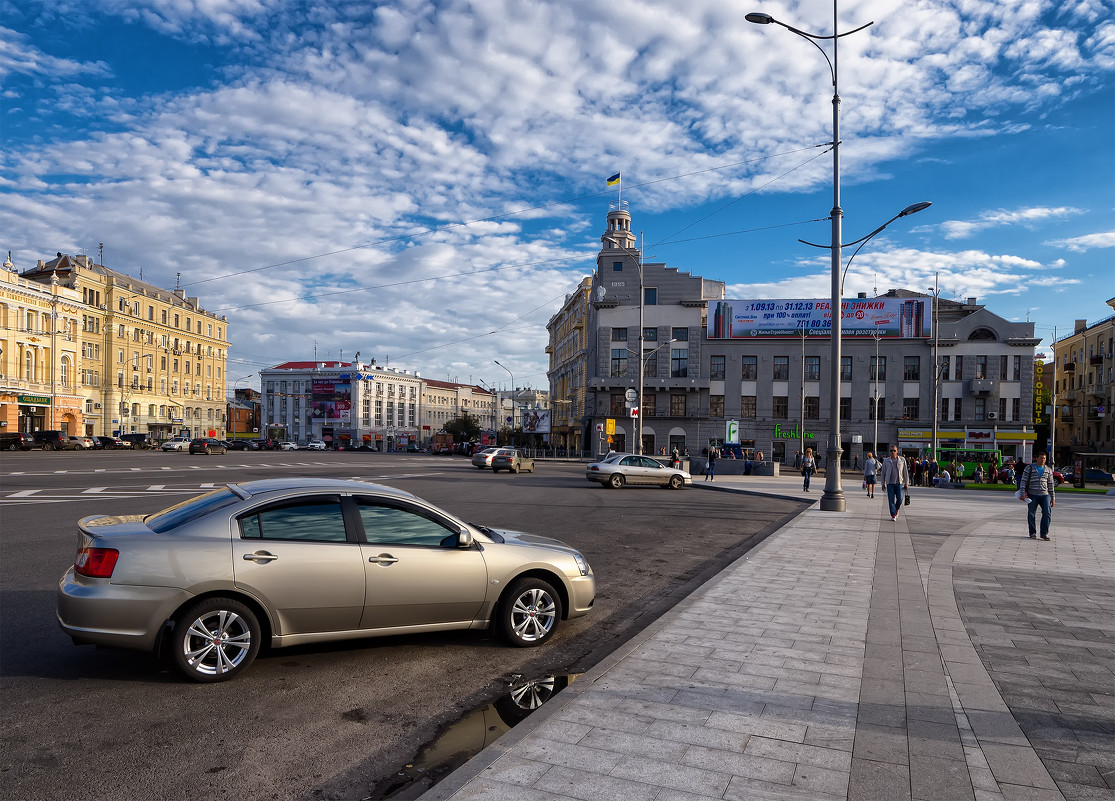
<point x="614" y="180"/>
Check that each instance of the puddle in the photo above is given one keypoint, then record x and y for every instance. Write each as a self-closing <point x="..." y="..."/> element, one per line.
<point x="467" y="737"/>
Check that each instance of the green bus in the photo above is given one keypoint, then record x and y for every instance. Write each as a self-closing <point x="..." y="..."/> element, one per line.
<point x="970" y="457"/>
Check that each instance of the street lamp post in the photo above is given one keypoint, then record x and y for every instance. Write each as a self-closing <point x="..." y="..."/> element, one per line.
<point x="801" y="430"/>
<point x="512" y="402"/>
<point x="833" y="498"/>
<point x="875" y="400"/>
<point x="936" y="360"/>
<point x="643" y="359"/>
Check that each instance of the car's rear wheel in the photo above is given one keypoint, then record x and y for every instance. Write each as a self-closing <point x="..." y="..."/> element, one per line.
<point x="13" y="447"/>
<point x="529" y="612"/>
<point x="514" y="468"/>
<point x="48" y="446"/>
<point x="207" y="451"/>
<point x="479" y="467"/>
<point x="676" y="482"/>
<point x="615" y="481"/>
<point x="215" y="639"/>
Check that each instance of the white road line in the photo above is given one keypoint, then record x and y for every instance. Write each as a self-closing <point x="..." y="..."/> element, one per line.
<point x="24" y="493"/>
<point x="94" y="490"/>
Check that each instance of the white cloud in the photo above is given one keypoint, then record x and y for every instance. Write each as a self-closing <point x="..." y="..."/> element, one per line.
<point x="962" y="229"/>
<point x="1080" y="244"/>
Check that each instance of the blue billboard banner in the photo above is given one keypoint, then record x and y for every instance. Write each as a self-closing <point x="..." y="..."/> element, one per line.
<point x="787" y="317"/>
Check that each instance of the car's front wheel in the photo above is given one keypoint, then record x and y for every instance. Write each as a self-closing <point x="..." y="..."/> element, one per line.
<point x="676" y="482"/>
<point x="215" y="639"/>
<point x="529" y="613"/>
<point x="615" y="481"/>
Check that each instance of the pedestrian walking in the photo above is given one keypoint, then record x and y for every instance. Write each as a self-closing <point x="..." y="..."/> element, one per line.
<point x="808" y="468"/>
<point x="896" y="477"/>
<point x="917" y="474"/>
<point x="710" y="471"/>
<point x="797" y="460"/>
<point x="1037" y="488"/>
<point x="870" y="471"/>
<point x="855" y="462"/>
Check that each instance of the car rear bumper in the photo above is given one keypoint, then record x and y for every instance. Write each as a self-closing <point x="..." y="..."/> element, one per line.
<point x="98" y="612"/>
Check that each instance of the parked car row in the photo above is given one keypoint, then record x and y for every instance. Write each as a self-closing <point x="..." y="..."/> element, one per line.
<point x="508" y="459"/>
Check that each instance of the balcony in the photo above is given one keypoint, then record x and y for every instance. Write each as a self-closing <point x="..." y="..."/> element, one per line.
<point x="981" y="386"/>
<point x="1068" y="395"/>
<point x="1096" y="389"/>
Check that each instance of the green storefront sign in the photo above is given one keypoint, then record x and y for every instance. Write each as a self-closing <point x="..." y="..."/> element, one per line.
<point x="793" y="433"/>
<point x="33" y="400"/>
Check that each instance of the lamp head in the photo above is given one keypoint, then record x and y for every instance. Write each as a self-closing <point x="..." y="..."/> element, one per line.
<point x="914" y="208"/>
<point x="759" y="19"/>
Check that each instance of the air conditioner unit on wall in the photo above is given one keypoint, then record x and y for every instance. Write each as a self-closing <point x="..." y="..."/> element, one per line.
<point x="991" y="415"/>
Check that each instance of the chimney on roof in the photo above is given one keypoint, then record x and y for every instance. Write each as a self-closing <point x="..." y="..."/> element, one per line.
<point x="1079" y="326"/>
<point x="862" y="295"/>
<point x="971" y="301"/>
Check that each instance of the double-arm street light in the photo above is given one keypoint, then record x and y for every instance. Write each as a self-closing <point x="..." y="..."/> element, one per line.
<point x="833" y="498"/>
<point x="512" y="402"/>
<point x="643" y="359"/>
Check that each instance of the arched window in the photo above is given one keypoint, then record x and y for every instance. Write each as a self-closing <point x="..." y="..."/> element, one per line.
<point x="982" y="334"/>
<point x="64" y="375"/>
<point x="29" y="365"/>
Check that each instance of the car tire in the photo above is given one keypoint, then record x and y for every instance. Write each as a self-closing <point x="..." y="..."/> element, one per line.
<point x="615" y="481"/>
<point x="48" y="446"/>
<point x="529" y="612"/>
<point x="676" y="482"/>
<point x="532" y="467"/>
<point x="193" y="651"/>
<point x="207" y="451"/>
<point x="479" y="467"/>
<point x="13" y="447"/>
<point x="514" y="468"/>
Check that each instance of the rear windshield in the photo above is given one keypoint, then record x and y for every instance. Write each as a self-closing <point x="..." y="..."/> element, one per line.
<point x="175" y="516"/>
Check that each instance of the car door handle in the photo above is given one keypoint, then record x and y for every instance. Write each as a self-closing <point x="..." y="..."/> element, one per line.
<point x="260" y="556"/>
<point x="383" y="559"/>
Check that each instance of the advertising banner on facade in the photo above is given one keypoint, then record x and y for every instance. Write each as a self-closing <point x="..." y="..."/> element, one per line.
<point x="332" y="398"/>
<point x="787" y="317"/>
<point x="536" y="421"/>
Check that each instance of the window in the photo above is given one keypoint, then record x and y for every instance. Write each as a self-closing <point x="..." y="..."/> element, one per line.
<point x="981" y="408"/>
<point x="679" y="363"/>
<point x="911" y="408"/>
<point x="649" y="405"/>
<point x="876" y="407"/>
<point x="747" y="406"/>
<point x="619" y="335"/>
<point x="781" y="407"/>
<point x="716" y="368"/>
<point x="617" y="266"/>
<point x="619" y="362"/>
<point x="1016" y="374"/>
<point x="315" y="520"/>
<point x="845" y="368"/>
<point x="650" y="366"/>
<point x="1016" y="408"/>
<point x="944" y="410"/>
<point x="1002" y="368"/>
<point x="677" y="405"/>
<point x="750" y="368"/>
<point x="1003" y="408"/>
<point x="878" y="368"/>
<point x="845" y="408"/>
<point x="781" y="368"/>
<point x="680" y="334"/>
<point x="650" y="334"/>
<point x="715" y="405"/>
<point x="981" y="367"/>
<point x="394" y="526"/>
<point x="812" y="368"/>
<point x="957" y="407"/>
<point x="650" y="296"/>
<point x="812" y="408"/>
<point x="959" y="369"/>
<point x="911" y="368"/>
<point x="618" y="408"/>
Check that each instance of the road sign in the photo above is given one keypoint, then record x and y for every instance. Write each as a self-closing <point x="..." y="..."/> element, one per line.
<point x="634" y="411"/>
<point x="631" y="394"/>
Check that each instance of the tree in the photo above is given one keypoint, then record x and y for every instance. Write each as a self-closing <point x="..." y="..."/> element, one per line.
<point x="464" y="428"/>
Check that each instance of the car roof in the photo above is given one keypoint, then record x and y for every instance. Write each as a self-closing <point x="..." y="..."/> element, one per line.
<point x="311" y="484"/>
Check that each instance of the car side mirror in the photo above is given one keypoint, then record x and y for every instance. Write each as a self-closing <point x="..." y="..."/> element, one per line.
<point x="464" y="539"/>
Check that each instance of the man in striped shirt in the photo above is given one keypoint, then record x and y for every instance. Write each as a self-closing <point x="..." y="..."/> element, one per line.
<point x="1037" y="487"/>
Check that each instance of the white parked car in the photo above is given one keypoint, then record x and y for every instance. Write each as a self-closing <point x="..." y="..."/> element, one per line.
<point x="176" y="444"/>
<point x="288" y="446"/>
<point x="316" y="445"/>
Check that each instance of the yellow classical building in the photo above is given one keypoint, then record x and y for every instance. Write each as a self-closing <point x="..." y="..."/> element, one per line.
<point x="148" y="360"/>
<point x="40" y="346"/>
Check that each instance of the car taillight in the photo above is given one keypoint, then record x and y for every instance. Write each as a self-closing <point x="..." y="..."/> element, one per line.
<point x="96" y="562"/>
<point x="593" y="468"/>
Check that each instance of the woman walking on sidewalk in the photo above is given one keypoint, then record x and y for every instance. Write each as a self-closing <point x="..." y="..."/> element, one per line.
<point x="870" y="468"/>
<point x="808" y="468"/>
<point x="896" y="476"/>
<point x="1037" y="490"/>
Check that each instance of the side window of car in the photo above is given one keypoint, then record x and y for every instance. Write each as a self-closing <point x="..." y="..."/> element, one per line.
<point x="309" y="520"/>
<point x="630" y="461"/>
<point x="392" y="525"/>
<point x="651" y="463"/>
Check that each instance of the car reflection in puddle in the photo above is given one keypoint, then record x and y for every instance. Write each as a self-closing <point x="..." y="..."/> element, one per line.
<point x="467" y="737"/>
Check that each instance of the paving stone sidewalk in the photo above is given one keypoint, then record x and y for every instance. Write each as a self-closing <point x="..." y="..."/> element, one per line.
<point x="942" y="656"/>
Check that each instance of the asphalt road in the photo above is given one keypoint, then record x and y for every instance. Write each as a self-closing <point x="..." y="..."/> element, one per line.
<point x="327" y="721"/>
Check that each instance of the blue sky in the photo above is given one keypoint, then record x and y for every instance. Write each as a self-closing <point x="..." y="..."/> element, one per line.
<point x="424" y="181"/>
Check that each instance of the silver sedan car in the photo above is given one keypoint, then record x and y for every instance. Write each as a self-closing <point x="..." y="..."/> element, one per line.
<point x="627" y="468"/>
<point x="292" y="561"/>
<point x="512" y="460"/>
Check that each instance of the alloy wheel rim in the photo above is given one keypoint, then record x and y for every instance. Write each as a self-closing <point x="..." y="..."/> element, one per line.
<point x="533" y="615"/>
<point x="217" y="642"/>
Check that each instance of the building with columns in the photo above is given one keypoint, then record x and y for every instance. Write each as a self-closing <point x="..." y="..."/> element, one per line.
<point x="1081" y="377"/>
